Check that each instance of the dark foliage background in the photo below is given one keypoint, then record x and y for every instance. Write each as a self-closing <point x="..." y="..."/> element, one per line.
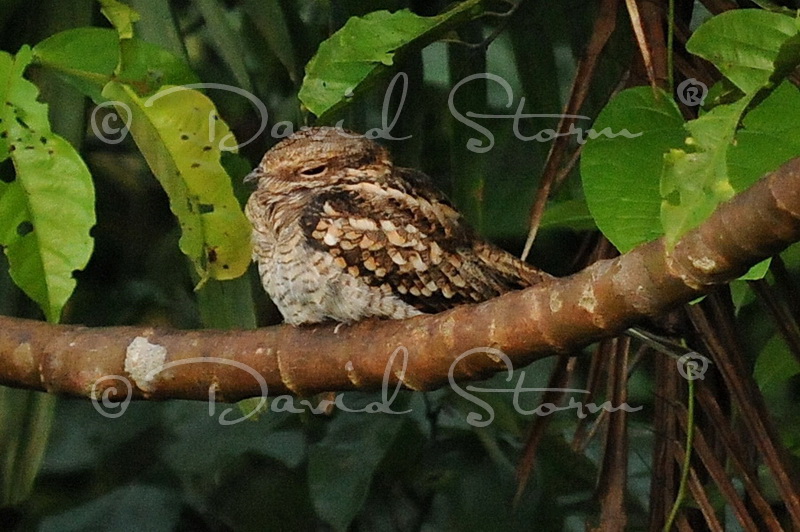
<point x="172" y="466"/>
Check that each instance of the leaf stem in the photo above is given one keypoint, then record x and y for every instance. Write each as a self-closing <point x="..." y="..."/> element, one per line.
<point x="686" y="459"/>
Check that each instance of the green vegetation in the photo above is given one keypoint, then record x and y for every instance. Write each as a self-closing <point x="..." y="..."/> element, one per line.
<point x="121" y="163"/>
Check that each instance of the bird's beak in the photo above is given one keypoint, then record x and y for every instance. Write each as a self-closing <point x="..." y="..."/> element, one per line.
<point x="252" y="177"/>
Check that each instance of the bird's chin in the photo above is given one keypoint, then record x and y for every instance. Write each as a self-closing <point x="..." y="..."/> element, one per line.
<point x="276" y="186"/>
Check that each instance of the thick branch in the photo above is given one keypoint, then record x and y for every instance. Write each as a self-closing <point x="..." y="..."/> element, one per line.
<point x="558" y="316"/>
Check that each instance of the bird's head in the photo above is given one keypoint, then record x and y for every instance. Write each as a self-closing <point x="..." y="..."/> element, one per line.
<point x="319" y="156"/>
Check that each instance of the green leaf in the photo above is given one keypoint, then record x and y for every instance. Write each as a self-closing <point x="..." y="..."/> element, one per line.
<point x="751" y="48"/>
<point x="143" y="66"/>
<point x="269" y="18"/>
<point x="227" y="305"/>
<point x="621" y="172"/>
<point x="173" y="133"/>
<point x="769" y="5"/>
<point x="120" y="16"/>
<point x="226" y="39"/>
<point x="745" y="44"/>
<point x="159" y="507"/>
<point x="741" y="294"/>
<point x="768" y="138"/>
<point x="86" y="58"/>
<point x="695" y="182"/>
<point x="759" y="271"/>
<point x="775" y="364"/>
<point x="687" y="199"/>
<point x="342" y="464"/>
<point x="365" y="48"/>
<point x="159" y="27"/>
<point x="147" y="67"/>
<point x="193" y="448"/>
<point x="26" y="417"/>
<point x="47" y="210"/>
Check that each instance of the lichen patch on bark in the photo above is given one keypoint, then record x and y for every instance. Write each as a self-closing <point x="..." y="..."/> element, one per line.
<point x="143" y="361"/>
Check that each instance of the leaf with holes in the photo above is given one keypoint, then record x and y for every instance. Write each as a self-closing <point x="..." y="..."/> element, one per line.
<point x="182" y="138"/>
<point x="47" y="205"/>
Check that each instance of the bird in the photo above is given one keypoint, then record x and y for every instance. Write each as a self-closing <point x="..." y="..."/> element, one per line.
<point x="340" y="233"/>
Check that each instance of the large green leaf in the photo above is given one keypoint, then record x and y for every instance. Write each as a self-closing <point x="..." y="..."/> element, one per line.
<point x="87" y="57"/>
<point x="229" y="304"/>
<point x="341" y="465"/>
<point x="84" y="57"/>
<point x="747" y="45"/>
<point x="182" y="138"/>
<point x="173" y="132"/>
<point x="621" y="172"/>
<point x="768" y="139"/>
<point x="47" y="207"/>
<point x="365" y="48"/>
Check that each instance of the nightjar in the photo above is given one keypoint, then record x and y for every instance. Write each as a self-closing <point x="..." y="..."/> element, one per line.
<point x="341" y="233"/>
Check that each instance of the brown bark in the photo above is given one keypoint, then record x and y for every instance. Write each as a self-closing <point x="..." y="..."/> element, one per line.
<point x="555" y="317"/>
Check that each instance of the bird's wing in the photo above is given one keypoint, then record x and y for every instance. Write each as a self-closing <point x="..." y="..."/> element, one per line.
<point x="404" y="234"/>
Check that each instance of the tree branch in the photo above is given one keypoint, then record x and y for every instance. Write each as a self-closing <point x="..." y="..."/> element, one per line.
<point x="553" y="317"/>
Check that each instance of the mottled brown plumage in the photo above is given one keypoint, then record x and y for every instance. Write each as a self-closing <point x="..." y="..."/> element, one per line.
<point x="340" y="233"/>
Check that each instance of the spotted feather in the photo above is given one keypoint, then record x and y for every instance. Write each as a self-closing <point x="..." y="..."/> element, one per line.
<point x="340" y="233"/>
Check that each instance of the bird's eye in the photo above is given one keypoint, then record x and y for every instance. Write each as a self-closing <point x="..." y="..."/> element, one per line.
<point x="313" y="171"/>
